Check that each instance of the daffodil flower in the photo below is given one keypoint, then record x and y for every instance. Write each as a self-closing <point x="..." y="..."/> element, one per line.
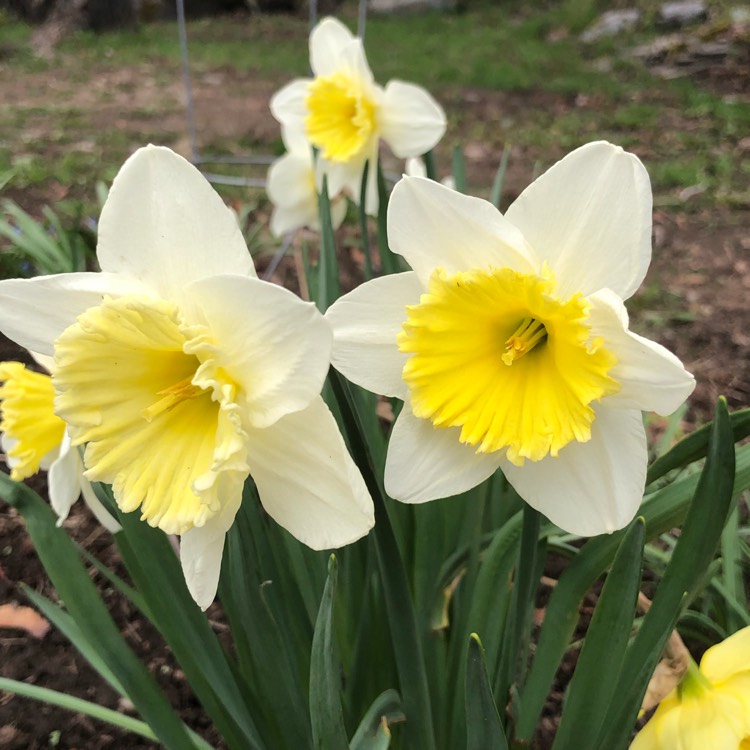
<point x="183" y="373"/>
<point x="710" y="708"/>
<point x="344" y="113"/>
<point x="34" y="438"/>
<point x="509" y="341"/>
<point x="293" y="184"/>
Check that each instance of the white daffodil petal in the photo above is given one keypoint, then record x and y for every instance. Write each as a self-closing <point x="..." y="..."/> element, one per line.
<point x="651" y="378"/>
<point x="353" y="63"/>
<point x="347" y="176"/>
<point x="411" y="121"/>
<point x="44" y="360"/>
<point x="431" y="226"/>
<point x="589" y="218"/>
<point x="64" y="480"/>
<point x="365" y="324"/>
<point x="201" y="548"/>
<point x="34" y="312"/>
<point x="272" y="344"/>
<point x="295" y="141"/>
<point x="415" y="167"/>
<point x="307" y="481"/>
<point x="286" y="219"/>
<point x="288" y="107"/>
<point x="291" y="188"/>
<point x="327" y="41"/>
<point x="589" y="488"/>
<point x="291" y="180"/>
<point x="167" y="243"/>
<point x="95" y="506"/>
<point x="426" y="463"/>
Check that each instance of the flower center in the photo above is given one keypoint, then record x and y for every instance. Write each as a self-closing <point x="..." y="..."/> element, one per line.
<point x="172" y="397"/>
<point x="158" y="414"/>
<point x="529" y="333"/>
<point x="497" y="354"/>
<point x="341" y="117"/>
<point x="31" y="429"/>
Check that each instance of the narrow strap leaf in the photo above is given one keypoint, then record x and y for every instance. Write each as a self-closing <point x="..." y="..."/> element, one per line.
<point x="389" y="262"/>
<point x="595" y="680"/>
<point x="94" y="710"/>
<point x="484" y="730"/>
<point x="328" y="272"/>
<point x="326" y="714"/>
<point x="459" y="169"/>
<point x="69" y="577"/>
<point x="694" y="446"/>
<point x="372" y="732"/>
<point x="497" y="185"/>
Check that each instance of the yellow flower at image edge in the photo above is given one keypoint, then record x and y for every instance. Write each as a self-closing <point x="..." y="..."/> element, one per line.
<point x="182" y="373"/>
<point x="710" y="708"/>
<point x="32" y="433"/>
<point x="34" y="438"/>
<point x="509" y="344"/>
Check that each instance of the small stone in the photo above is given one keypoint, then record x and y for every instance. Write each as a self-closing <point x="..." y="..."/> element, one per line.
<point x="611" y="23"/>
<point x="391" y="7"/>
<point x="682" y="13"/>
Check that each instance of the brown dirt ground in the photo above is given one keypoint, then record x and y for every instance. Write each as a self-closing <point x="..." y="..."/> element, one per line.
<point x="700" y="277"/>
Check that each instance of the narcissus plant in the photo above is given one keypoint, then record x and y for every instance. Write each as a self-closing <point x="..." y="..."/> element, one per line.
<point x="344" y="114"/>
<point x="509" y="344"/>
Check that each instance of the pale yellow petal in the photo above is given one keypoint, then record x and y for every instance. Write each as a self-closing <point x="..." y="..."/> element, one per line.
<point x="126" y="390"/>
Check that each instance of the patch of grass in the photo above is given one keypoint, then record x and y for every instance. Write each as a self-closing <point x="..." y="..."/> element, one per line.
<point x="677" y="173"/>
<point x="636" y="115"/>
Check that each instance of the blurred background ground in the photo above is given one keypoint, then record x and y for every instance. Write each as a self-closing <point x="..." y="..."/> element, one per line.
<point x="509" y="75"/>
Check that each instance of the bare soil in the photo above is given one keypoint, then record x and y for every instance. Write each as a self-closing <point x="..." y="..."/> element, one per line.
<point x="694" y="301"/>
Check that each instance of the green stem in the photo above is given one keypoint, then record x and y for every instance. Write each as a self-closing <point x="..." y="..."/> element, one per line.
<point x="363" y="223"/>
<point x="406" y="643"/>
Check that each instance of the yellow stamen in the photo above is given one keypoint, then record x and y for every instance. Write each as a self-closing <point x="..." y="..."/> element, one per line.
<point x="341" y="117"/>
<point x="529" y="333"/>
<point x="173" y="396"/>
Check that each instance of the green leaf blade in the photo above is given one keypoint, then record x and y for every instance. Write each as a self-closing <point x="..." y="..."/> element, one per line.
<point x="484" y="729"/>
<point x="326" y="713"/>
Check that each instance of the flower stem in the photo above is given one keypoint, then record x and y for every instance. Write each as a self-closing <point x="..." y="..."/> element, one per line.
<point x="407" y="645"/>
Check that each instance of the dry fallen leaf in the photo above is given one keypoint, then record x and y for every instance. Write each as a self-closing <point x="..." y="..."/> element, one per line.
<point x="25" y="618"/>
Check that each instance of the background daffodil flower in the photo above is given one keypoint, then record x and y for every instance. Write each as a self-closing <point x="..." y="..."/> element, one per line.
<point x="509" y="341"/>
<point x="182" y="373"/>
<point x="344" y="113"/>
<point x="293" y="185"/>
<point x="710" y="708"/>
<point x="34" y="437"/>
